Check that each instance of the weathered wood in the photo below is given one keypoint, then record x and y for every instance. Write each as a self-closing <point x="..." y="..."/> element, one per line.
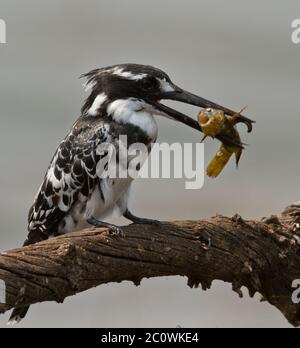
<point x="263" y="256"/>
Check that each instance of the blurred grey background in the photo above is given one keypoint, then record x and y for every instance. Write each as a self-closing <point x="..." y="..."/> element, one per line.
<point x="236" y="53"/>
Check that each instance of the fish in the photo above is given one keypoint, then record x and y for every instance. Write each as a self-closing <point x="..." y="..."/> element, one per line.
<point x="215" y="123"/>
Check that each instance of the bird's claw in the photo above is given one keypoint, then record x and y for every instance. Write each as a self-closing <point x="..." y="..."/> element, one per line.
<point x="116" y="231"/>
<point x="113" y="230"/>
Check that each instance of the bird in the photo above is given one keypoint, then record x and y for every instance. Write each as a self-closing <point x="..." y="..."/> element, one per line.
<point x="122" y="99"/>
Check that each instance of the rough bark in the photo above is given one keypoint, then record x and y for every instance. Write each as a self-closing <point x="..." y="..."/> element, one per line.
<point x="263" y="256"/>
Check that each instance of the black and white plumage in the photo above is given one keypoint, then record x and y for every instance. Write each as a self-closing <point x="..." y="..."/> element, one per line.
<point x="71" y="192"/>
<point x="123" y="100"/>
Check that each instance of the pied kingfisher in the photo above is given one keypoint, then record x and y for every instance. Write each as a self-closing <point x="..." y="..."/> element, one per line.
<point x="123" y="100"/>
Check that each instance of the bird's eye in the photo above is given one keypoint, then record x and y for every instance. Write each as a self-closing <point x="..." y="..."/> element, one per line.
<point x="209" y="110"/>
<point x="149" y="83"/>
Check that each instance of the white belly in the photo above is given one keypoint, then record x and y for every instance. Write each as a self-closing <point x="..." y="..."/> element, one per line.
<point x="114" y="198"/>
<point x="114" y="192"/>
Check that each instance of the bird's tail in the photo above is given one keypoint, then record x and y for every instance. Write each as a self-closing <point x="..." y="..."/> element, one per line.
<point x="17" y="315"/>
<point x="20" y="312"/>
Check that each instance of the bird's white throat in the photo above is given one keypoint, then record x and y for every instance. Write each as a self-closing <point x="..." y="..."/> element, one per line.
<point x="136" y="112"/>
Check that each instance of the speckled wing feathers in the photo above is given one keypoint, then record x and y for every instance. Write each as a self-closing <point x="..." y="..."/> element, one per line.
<point x="71" y="176"/>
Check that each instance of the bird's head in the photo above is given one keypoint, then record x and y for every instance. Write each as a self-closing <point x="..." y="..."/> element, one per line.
<point x="145" y="86"/>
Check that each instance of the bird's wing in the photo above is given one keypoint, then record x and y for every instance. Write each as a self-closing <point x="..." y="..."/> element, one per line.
<point x="71" y="177"/>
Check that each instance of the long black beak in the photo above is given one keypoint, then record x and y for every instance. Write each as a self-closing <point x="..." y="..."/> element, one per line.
<point x="186" y="97"/>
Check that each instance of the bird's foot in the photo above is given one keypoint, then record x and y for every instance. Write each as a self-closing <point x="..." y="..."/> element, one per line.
<point x="116" y="231"/>
<point x="112" y="229"/>
<point x="138" y="220"/>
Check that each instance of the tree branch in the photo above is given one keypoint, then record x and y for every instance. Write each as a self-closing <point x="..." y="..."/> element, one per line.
<point x="263" y="256"/>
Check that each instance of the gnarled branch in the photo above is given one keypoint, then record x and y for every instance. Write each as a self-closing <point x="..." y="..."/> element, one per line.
<point x="263" y="256"/>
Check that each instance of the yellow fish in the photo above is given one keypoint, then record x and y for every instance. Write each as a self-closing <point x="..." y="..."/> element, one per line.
<point x="214" y="123"/>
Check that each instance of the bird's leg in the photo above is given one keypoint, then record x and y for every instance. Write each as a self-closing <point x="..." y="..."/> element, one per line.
<point x="113" y="229"/>
<point x="137" y="220"/>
